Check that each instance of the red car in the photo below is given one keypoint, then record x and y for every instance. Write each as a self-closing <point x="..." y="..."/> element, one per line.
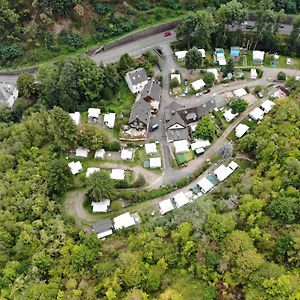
<point x="168" y="33"/>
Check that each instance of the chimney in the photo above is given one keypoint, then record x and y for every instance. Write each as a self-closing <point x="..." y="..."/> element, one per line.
<point x="173" y="112"/>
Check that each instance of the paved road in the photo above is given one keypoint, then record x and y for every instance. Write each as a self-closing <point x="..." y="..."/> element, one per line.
<point x="285" y="29"/>
<point x="134" y="48"/>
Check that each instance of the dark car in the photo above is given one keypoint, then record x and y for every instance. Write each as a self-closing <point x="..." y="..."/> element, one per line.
<point x="167" y="33"/>
<point x="206" y="91"/>
<point x="154" y="127"/>
<point x="249" y="27"/>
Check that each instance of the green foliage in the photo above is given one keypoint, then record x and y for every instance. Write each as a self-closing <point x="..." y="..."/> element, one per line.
<point x="205" y="129"/>
<point x="193" y="59"/>
<point x="174" y="83"/>
<point x="209" y="78"/>
<point x="92" y="138"/>
<point x="100" y="187"/>
<point x="26" y="85"/>
<point x="238" y="106"/>
<point x="281" y="76"/>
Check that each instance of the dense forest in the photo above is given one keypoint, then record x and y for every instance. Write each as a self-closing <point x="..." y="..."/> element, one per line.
<point x="34" y="31"/>
<point x="241" y="241"/>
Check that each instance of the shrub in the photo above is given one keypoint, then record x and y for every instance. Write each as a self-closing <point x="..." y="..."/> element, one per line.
<point x="139" y="182"/>
<point x="174" y="83"/>
<point x="113" y="146"/>
<point x="281" y="76"/>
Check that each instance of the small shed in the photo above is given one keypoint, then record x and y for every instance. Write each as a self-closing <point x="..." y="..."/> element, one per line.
<point x="181" y="199"/>
<point x="150" y="149"/>
<point x="222" y="172"/>
<point x="180" y="55"/>
<point x="100" y="153"/>
<point x="181" y="146"/>
<point x="155" y="162"/>
<point x="109" y="120"/>
<point x="205" y="185"/>
<point x="229" y="115"/>
<point x="256" y="114"/>
<point x="198" y="84"/>
<point x="101" y="206"/>
<point x="267" y="105"/>
<point x="75" y="167"/>
<point x="103" y="228"/>
<point x="93" y="114"/>
<point x="123" y="221"/>
<point x="126" y="154"/>
<point x="240" y="130"/>
<point x="81" y="152"/>
<point x="239" y="93"/>
<point x="165" y="206"/>
<point x="258" y="56"/>
<point x="200" y="144"/>
<point x="117" y="174"/>
<point x="91" y="171"/>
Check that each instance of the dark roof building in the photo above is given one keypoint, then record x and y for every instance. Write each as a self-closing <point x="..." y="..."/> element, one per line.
<point x="140" y="115"/>
<point x="177" y="117"/>
<point x="103" y="228"/>
<point x="151" y="91"/>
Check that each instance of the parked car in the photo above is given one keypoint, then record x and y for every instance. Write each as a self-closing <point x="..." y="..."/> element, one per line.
<point x="167" y="33"/>
<point x="154" y="127"/>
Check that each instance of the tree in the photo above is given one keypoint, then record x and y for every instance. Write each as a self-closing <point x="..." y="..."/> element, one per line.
<point x="209" y="78"/>
<point x="126" y="63"/>
<point x="136" y="294"/>
<point x="26" y="85"/>
<point x="193" y="59"/>
<point x="111" y="78"/>
<point x="281" y="76"/>
<point x="234" y="12"/>
<point x="174" y="83"/>
<point x="229" y="68"/>
<point x="238" y="106"/>
<point x="100" y="187"/>
<point x="63" y="129"/>
<point x="205" y="129"/>
<point x="8" y="18"/>
<point x="60" y="177"/>
<point x="92" y="138"/>
<point x="196" y="29"/>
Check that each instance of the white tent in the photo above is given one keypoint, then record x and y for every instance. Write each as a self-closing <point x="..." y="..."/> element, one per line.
<point x="126" y="154"/>
<point x="165" y="206"/>
<point x="180" y="55"/>
<point x="150" y="148"/>
<point x="222" y="172"/>
<point x="124" y="221"/>
<point x="233" y="166"/>
<point x="177" y="76"/>
<point x="100" y="153"/>
<point x="267" y="105"/>
<point x="91" y="171"/>
<point x="200" y="144"/>
<point x="205" y="185"/>
<point x="215" y="72"/>
<point x="75" y="117"/>
<point x="240" y="93"/>
<point x="117" y="174"/>
<point x="109" y="120"/>
<point x="75" y="167"/>
<point x="155" y="162"/>
<point x="80" y="152"/>
<point x="94" y="113"/>
<point x="228" y="115"/>
<point x="198" y="84"/>
<point x="253" y="74"/>
<point x="181" y="199"/>
<point x="101" y="206"/>
<point x="240" y="130"/>
<point x="258" y="56"/>
<point x="256" y="114"/>
<point x="181" y="146"/>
